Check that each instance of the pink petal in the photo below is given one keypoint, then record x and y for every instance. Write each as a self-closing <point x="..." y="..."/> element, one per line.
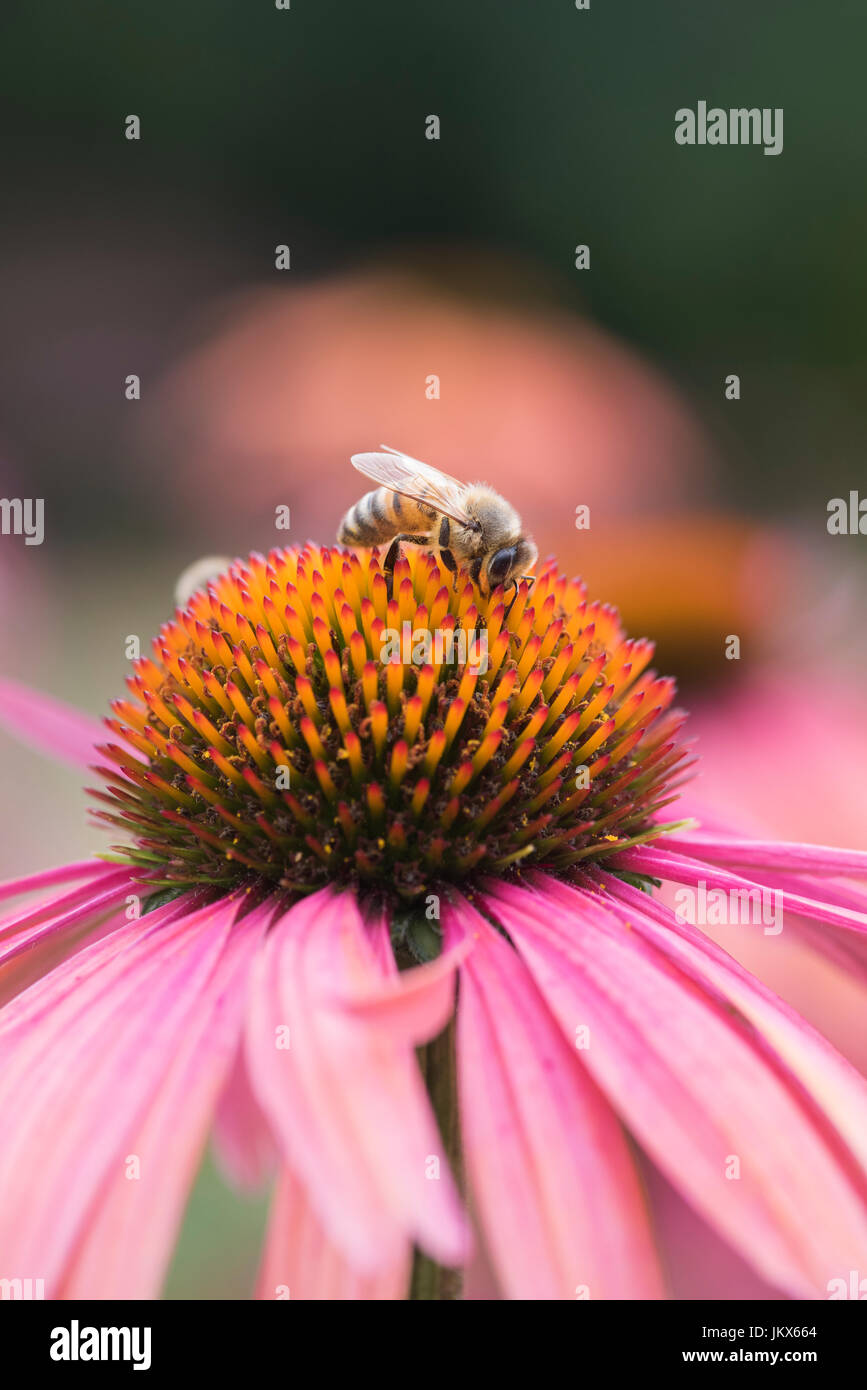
<point x="40" y="993"/>
<point x="299" y="1260"/>
<point x="840" y="945"/>
<point x="345" y="1098"/>
<point x="698" y="1262"/>
<point x="243" y="1139"/>
<point x="836" y="939"/>
<point x="480" y="1281"/>
<point x="415" y="1003"/>
<point x="844" y="949"/>
<point x="678" y="868"/>
<point x="125" y="1247"/>
<point x="35" y="940"/>
<point x="770" y="854"/>
<point x="549" y="1168"/>
<point x="22" y="922"/>
<point x="47" y="878"/>
<point x="48" y="725"/>
<point x="695" y="1087"/>
<point x="85" y="1052"/>
<point x="830" y="1083"/>
<point x="838" y="892"/>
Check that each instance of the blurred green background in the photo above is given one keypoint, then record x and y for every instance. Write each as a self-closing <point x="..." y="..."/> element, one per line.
<point x="306" y="126"/>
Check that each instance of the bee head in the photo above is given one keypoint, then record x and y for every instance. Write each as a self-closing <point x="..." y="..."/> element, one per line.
<point x="510" y="560"/>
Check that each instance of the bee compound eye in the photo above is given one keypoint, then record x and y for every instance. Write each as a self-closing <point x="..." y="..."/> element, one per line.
<point x="501" y="565"/>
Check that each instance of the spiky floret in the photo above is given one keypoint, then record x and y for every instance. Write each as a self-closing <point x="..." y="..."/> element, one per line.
<point x="271" y="740"/>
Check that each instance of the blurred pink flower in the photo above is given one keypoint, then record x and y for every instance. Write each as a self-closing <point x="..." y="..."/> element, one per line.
<point x="288" y="383"/>
<point x="779" y="757"/>
<point x="775" y="760"/>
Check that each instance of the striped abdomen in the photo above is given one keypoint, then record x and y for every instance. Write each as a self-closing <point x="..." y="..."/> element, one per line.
<point x="382" y="514"/>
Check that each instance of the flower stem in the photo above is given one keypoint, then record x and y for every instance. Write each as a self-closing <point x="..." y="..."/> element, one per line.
<point x="438" y="1067"/>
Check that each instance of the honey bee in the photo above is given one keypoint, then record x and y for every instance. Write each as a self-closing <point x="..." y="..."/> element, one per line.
<point x="463" y="523"/>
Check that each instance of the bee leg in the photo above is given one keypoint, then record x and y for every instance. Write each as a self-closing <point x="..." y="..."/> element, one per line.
<point x="450" y="563"/>
<point x="390" y="560"/>
<point x="530" y="578"/>
<point x="388" y="565"/>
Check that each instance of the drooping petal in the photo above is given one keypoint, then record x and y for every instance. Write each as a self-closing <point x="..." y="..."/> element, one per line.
<point x="25" y="916"/>
<point x="831" y="1085"/>
<point x="548" y="1164"/>
<point x="839" y="892"/>
<point x="35" y="939"/>
<point x="838" y="944"/>
<point x="698" y="1263"/>
<point x="845" y="949"/>
<point x="680" y="868"/>
<point x="346" y="1098"/>
<point x="301" y="1262"/>
<point x="684" y="1070"/>
<point x="243" y="1140"/>
<point x="415" y="1003"/>
<point x="48" y="878"/>
<point x="480" y="1281"/>
<point x="789" y="868"/>
<point x="783" y="855"/>
<point x="48" y="725"/>
<point x="84" y="1052"/>
<point x="127" y="1242"/>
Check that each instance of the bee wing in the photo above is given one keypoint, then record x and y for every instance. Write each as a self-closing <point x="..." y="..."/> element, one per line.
<point x="415" y="479"/>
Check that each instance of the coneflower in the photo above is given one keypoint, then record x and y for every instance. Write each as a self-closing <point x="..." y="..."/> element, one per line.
<point x="383" y="917"/>
<point x="276" y="735"/>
